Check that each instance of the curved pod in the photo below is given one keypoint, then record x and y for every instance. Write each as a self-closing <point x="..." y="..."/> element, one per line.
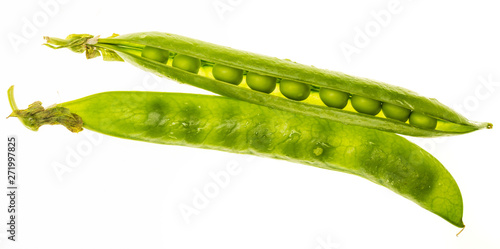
<point x="225" y="124"/>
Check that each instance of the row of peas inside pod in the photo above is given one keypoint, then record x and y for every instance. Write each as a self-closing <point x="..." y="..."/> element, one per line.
<point x="292" y="89"/>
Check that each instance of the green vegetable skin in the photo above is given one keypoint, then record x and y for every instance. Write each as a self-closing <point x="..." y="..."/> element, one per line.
<point x="290" y="98"/>
<point x="226" y="124"/>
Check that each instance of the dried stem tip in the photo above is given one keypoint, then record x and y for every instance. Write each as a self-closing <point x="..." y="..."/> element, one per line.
<point x="35" y="115"/>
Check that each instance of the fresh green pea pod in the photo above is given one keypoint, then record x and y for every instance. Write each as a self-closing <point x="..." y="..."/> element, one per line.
<point x="129" y="48"/>
<point x="221" y="123"/>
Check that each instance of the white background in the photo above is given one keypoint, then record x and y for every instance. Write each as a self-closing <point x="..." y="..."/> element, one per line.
<point x="126" y="194"/>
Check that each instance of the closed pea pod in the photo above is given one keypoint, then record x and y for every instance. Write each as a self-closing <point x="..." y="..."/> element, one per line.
<point x="128" y="47"/>
<point x="225" y="124"/>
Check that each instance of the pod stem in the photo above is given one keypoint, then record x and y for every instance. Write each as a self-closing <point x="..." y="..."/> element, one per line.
<point x="461" y="231"/>
<point x="75" y="42"/>
<point x="35" y="115"/>
<point x="80" y="43"/>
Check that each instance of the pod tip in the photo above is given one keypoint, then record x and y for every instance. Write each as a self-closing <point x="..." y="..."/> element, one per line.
<point x="489" y="126"/>
<point x="461" y="231"/>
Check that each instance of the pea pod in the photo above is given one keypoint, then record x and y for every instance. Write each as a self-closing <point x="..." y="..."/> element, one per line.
<point x="299" y="95"/>
<point x="226" y="124"/>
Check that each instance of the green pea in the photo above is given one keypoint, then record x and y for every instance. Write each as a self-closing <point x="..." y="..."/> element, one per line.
<point x="423" y="121"/>
<point x="395" y="112"/>
<point x="227" y="74"/>
<point x="294" y="90"/>
<point x="333" y="98"/>
<point x="261" y="83"/>
<point x="366" y="105"/>
<point x="230" y="125"/>
<point x="156" y="54"/>
<point x="187" y="63"/>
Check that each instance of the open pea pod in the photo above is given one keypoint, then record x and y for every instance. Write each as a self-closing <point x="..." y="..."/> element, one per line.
<point x="277" y="83"/>
<point x="226" y="124"/>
